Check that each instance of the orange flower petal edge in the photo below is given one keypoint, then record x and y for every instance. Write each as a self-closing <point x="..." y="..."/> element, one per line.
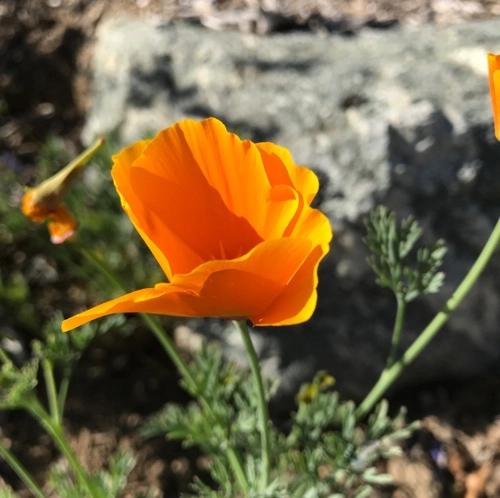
<point x="46" y="200"/>
<point x="62" y="225"/>
<point x="494" y="80"/>
<point x="229" y="222"/>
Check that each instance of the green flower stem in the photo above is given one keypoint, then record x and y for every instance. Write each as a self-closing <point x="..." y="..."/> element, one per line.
<point x="398" y="327"/>
<point x="265" y="441"/>
<point x="171" y="350"/>
<point x="50" y="384"/>
<point x="56" y="433"/>
<point x="63" y="390"/>
<point x="169" y="346"/>
<point x="22" y="473"/>
<point x="92" y="258"/>
<point x="389" y="375"/>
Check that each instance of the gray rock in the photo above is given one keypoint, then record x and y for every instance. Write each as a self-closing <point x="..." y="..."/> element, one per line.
<point x="399" y="117"/>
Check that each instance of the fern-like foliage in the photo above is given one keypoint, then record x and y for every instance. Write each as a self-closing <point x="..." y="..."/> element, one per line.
<point x="325" y="453"/>
<point x="17" y="384"/>
<point x="105" y="483"/>
<point x="392" y="245"/>
<point x="231" y="418"/>
<point x="66" y="349"/>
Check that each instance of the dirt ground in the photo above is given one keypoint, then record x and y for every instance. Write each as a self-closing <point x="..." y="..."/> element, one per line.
<point x="45" y="54"/>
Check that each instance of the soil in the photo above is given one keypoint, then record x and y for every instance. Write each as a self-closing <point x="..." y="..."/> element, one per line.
<point x="45" y="54"/>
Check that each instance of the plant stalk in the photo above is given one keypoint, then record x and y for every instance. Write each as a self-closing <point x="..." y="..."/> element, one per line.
<point x="398" y="327"/>
<point x="265" y="441"/>
<point x="50" y="384"/>
<point x="389" y="375"/>
<point x="22" y="473"/>
<point x="63" y="390"/>
<point x="56" y="433"/>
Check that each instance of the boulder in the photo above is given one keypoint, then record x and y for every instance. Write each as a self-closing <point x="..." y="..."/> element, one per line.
<point x="399" y="117"/>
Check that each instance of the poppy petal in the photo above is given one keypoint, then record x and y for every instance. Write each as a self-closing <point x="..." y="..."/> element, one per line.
<point x="62" y="225"/>
<point x="313" y="225"/>
<point x="32" y="210"/>
<point x="494" y="80"/>
<point x="123" y="162"/>
<point x="283" y="206"/>
<point x="297" y="302"/>
<point x="229" y="165"/>
<point x="182" y="205"/>
<point x="281" y="170"/>
<point x="227" y="289"/>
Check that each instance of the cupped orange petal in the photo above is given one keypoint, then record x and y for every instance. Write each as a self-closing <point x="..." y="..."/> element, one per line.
<point x="241" y="288"/>
<point x="281" y="170"/>
<point x="494" y="80"/>
<point x="297" y="302"/>
<point x="283" y="204"/>
<point x="123" y="163"/>
<point x="197" y="192"/>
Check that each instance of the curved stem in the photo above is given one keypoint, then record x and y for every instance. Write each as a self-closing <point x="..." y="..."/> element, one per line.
<point x="389" y="375"/>
<point x="22" y="473"/>
<point x="56" y="433"/>
<point x="169" y="347"/>
<point x="50" y="384"/>
<point x="92" y="258"/>
<point x="398" y="327"/>
<point x="265" y="441"/>
<point x="63" y="390"/>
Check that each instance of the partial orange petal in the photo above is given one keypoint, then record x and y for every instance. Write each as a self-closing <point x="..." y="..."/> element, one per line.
<point x="297" y="302"/>
<point x="123" y="162"/>
<point x="281" y="170"/>
<point x="141" y="301"/>
<point x="313" y="225"/>
<point x="186" y="203"/>
<point x="231" y="166"/>
<point x="227" y="289"/>
<point x="62" y="225"/>
<point x="32" y="210"/>
<point x="494" y="79"/>
<point x="283" y="207"/>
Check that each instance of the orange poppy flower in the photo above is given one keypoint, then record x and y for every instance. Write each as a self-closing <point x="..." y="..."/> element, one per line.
<point x="494" y="78"/>
<point x="46" y="200"/>
<point x="229" y="222"/>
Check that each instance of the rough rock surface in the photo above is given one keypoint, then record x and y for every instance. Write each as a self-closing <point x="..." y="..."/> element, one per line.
<point x="399" y="117"/>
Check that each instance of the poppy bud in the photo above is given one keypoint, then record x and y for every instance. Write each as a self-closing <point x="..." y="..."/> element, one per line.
<point x="46" y="200"/>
